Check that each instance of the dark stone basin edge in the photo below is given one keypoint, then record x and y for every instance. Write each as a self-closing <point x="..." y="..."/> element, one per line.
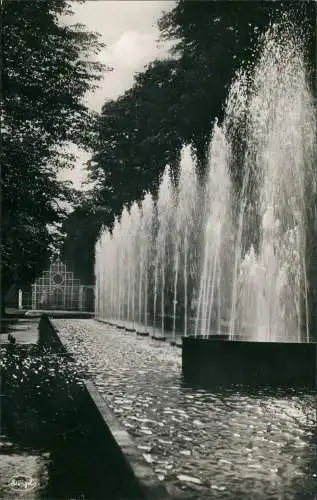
<point x="151" y="487"/>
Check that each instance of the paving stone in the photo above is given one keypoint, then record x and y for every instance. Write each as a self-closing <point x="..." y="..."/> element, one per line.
<point x="226" y="432"/>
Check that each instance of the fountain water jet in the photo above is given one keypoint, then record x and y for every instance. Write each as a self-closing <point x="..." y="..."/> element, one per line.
<point x="217" y="233"/>
<point x="145" y="240"/>
<point x="245" y="253"/>
<point x="279" y="168"/>
<point x="186" y="218"/>
<point x="165" y="218"/>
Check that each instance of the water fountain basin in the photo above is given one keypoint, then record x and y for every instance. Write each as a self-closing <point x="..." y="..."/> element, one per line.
<point x="219" y="361"/>
<point x="142" y="333"/>
<point x="160" y="338"/>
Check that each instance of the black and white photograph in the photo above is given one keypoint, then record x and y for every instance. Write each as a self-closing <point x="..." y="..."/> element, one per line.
<point x="158" y="244"/>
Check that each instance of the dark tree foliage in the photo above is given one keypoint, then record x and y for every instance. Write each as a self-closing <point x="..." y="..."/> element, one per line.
<point x="176" y="101"/>
<point x="45" y="74"/>
<point x="81" y="228"/>
<point x="213" y="39"/>
<point x="137" y="137"/>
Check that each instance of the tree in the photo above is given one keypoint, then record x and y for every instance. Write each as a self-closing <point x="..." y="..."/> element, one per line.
<point x="45" y="74"/>
<point x="176" y="101"/>
<point x="81" y="229"/>
<point x="137" y="136"/>
<point x="212" y="40"/>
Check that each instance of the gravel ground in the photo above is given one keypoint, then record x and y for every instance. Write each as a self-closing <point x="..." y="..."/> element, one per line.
<point x="204" y="445"/>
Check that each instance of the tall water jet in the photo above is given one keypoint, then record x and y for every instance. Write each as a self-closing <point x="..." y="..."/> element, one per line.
<point x="272" y="211"/>
<point x="97" y="270"/>
<point x="236" y="130"/>
<point x="249" y="242"/>
<point x="165" y="216"/>
<point x="217" y="235"/>
<point x="281" y="134"/>
<point x="184" y="253"/>
<point x="145" y="240"/>
<point x="133" y="250"/>
<point x="118" y="255"/>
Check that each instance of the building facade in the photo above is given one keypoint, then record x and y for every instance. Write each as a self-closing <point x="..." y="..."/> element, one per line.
<point x="58" y="289"/>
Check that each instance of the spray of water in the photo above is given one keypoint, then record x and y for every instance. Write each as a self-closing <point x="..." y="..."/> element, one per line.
<point x="217" y="233"/>
<point x="165" y="217"/>
<point x="249" y="276"/>
<point x="272" y="279"/>
<point x="186" y="218"/>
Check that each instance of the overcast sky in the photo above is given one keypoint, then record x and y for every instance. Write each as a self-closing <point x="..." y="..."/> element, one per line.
<point x="129" y="30"/>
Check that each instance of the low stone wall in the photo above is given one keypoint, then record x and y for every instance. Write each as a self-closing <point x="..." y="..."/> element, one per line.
<point x="125" y="448"/>
<point x="212" y="362"/>
<point x="144" y="483"/>
<point x="48" y="336"/>
<point x="37" y="313"/>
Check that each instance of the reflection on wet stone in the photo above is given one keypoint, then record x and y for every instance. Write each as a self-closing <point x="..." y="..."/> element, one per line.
<point x="220" y="445"/>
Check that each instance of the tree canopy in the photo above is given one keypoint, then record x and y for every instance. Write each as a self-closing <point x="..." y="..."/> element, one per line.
<point x="137" y="135"/>
<point x="80" y="229"/>
<point x="212" y="40"/>
<point x="45" y="74"/>
<point x="175" y="102"/>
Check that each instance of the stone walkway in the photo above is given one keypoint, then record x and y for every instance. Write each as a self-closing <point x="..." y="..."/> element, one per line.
<point x="17" y="465"/>
<point x="24" y="330"/>
<point x="52" y="445"/>
<point x="19" y="472"/>
<point x="204" y="445"/>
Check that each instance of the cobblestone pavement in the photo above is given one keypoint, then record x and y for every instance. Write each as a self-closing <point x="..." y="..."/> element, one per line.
<point x="204" y="445"/>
